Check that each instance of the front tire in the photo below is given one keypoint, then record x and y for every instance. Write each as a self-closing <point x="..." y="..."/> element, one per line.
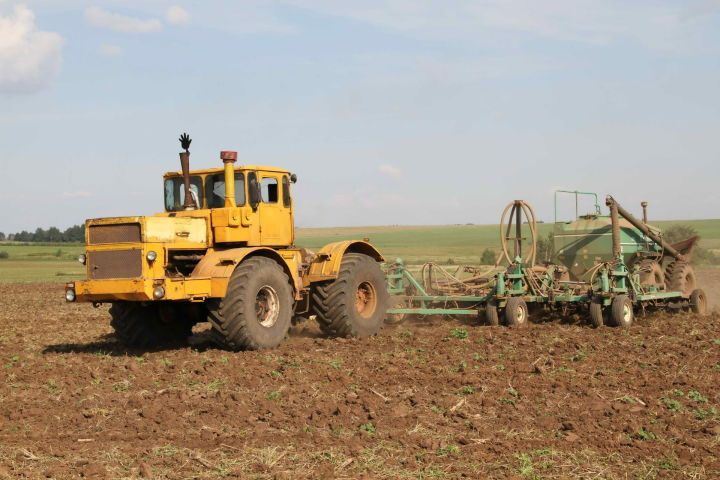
<point x="354" y="304"/>
<point x="256" y="311"/>
<point x="150" y="325"/>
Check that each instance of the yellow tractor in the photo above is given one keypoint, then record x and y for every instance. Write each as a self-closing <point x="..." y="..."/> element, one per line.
<point x="224" y="251"/>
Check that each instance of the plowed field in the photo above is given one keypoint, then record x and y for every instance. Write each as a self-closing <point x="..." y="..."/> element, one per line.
<point x="435" y="398"/>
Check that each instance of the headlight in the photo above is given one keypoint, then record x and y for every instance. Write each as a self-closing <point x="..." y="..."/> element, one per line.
<point x="82" y="258"/>
<point x="70" y="295"/>
<point x="159" y="292"/>
<point x="151" y="256"/>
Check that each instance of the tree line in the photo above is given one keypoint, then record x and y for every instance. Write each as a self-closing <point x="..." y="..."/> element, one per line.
<point x="76" y="233"/>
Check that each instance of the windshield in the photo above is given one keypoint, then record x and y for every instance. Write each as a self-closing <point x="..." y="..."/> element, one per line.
<point x="175" y="193"/>
<point x="215" y="190"/>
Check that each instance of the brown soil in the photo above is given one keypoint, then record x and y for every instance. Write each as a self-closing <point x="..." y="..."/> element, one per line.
<point x="709" y="281"/>
<point x="553" y="400"/>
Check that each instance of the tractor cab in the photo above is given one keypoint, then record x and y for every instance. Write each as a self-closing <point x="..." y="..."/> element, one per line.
<point x="256" y="210"/>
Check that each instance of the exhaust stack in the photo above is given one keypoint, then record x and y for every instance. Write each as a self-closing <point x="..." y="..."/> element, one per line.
<point x="229" y="159"/>
<point x="185" y="142"/>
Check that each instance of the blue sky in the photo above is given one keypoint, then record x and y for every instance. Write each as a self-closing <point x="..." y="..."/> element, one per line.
<point x="389" y="111"/>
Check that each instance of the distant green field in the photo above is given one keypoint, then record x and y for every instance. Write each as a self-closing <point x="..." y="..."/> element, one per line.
<point x="463" y="243"/>
<point x="46" y="263"/>
<point x="415" y="244"/>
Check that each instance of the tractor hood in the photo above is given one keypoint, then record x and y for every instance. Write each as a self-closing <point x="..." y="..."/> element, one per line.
<point x="183" y="232"/>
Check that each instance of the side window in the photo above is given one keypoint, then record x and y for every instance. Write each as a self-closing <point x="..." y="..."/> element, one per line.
<point x="269" y="188"/>
<point x="175" y="193"/>
<point x="215" y="190"/>
<point x="286" y="191"/>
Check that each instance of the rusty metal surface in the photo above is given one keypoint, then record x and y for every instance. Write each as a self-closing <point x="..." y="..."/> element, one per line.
<point x="116" y="233"/>
<point x="105" y="264"/>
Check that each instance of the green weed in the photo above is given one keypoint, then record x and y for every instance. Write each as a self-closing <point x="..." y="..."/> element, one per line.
<point x="579" y="356"/>
<point x="672" y="404"/>
<point x="697" y="396"/>
<point x="448" y="450"/>
<point x="643" y="434"/>
<point x="466" y="390"/>
<point x="459" y="333"/>
<point x="368" y="427"/>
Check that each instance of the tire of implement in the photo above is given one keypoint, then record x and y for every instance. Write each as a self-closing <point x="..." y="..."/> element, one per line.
<point x="698" y="302"/>
<point x="680" y="277"/>
<point x="516" y="312"/>
<point x="621" y="311"/>
<point x="492" y="317"/>
<point x="257" y="309"/>
<point x="354" y="304"/>
<point x="651" y="273"/>
<point x="598" y="312"/>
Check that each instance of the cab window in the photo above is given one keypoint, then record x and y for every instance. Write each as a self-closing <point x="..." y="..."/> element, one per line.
<point x="215" y="190"/>
<point x="175" y="193"/>
<point x="269" y="189"/>
<point x="287" y="201"/>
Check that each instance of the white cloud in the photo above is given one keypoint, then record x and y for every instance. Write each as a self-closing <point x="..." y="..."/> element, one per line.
<point x="177" y="16"/>
<point x="110" y="50"/>
<point x="98" y="17"/>
<point x="390" y="170"/>
<point x="29" y="58"/>
<point x="78" y="194"/>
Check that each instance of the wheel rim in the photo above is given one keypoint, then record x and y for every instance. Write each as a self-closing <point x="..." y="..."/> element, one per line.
<point x="627" y="313"/>
<point x="520" y="315"/>
<point x="365" y="299"/>
<point x="267" y="306"/>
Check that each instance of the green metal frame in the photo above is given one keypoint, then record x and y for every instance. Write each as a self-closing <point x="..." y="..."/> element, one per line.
<point x="612" y="278"/>
<point x="576" y="193"/>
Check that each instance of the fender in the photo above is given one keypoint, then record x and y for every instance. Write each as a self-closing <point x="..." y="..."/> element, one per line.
<point x="220" y="264"/>
<point x="326" y="265"/>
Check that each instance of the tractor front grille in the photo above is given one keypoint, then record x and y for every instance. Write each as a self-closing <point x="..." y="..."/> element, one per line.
<point x="114" y="264"/>
<point x="117" y="233"/>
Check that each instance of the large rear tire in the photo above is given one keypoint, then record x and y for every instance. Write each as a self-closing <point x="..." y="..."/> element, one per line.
<point x="150" y="325"/>
<point x="680" y="277"/>
<point x="651" y="274"/>
<point x="257" y="309"/>
<point x="354" y="304"/>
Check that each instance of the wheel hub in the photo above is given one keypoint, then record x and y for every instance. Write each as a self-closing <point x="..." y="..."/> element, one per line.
<point x="365" y="299"/>
<point x="267" y="306"/>
<point x="627" y="313"/>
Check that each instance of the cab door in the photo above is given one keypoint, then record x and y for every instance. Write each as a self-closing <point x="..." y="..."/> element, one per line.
<point x="275" y="217"/>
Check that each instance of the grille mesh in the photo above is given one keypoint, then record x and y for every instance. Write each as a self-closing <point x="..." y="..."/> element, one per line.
<point x="114" y="264"/>
<point x="119" y="233"/>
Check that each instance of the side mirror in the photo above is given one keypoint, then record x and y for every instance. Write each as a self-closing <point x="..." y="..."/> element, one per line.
<point x="293" y="178"/>
<point x="254" y="194"/>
